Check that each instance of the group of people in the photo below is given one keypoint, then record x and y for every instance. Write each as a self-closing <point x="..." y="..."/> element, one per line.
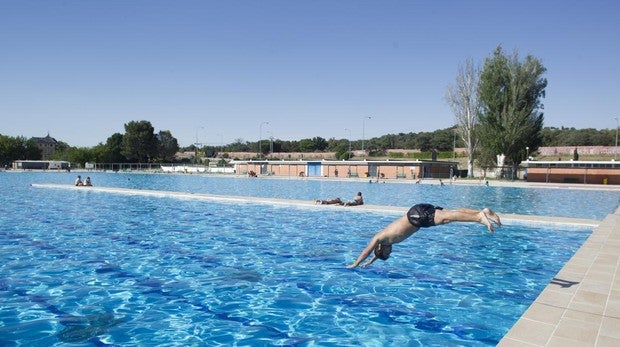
<point x="357" y="200"/>
<point x="79" y="182"/>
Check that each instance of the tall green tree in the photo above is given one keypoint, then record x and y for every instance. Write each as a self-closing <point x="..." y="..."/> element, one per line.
<point x="17" y="148"/>
<point x="139" y="141"/>
<point x="168" y="146"/>
<point x="114" y="149"/>
<point x="511" y="117"/>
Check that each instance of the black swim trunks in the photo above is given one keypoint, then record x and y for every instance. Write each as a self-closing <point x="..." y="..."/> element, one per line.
<point x="422" y="215"/>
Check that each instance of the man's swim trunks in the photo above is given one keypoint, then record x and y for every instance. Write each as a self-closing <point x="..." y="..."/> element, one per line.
<point x="422" y="215"/>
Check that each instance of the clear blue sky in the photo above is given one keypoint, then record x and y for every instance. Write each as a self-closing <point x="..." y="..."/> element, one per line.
<point x="213" y="71"/>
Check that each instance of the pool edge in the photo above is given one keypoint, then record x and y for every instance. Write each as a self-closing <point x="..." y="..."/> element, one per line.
<point x="581" y="305"/>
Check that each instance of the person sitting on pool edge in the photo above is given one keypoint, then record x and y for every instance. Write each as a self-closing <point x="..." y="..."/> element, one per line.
<point x="357" y="200"/>
<point x="420" y="216"/>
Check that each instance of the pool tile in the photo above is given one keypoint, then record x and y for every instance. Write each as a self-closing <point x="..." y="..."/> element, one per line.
<point x="509" y="342"/>
<point x="605" y="341"/>
<point x="587" y="301"/>
<point x="531" y="331"/>
<point x="583" y="316"/>
<point x="577" y="330"/>
<point x="544" y="313"/>
<point x="556" y="341"/>
<point x="610" y="327"/>
<point x="613" y="308"/>
<point x="553" y="297"/>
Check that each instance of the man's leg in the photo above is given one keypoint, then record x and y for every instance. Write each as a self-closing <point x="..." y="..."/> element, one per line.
<point x="462" y="215"/>
<point x="489" y="213"/>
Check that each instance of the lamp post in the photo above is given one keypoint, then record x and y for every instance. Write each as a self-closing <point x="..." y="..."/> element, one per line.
<point x="454" y="146"/>
<point x="349" y="130"/>
<point x="271" y="144"/>
<point x="260" y="138"/>
<point x="270" y="141"/>
<point x="616" y="148"/>
<point x="527" y="153"/>
<point x="196" y="144"/>
<point x="363" y="134"/>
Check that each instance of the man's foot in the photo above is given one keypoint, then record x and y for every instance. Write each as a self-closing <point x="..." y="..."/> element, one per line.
<point x="492" y="216"/>
<point x="484" y="219"/>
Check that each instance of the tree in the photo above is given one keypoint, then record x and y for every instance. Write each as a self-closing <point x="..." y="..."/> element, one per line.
<point x="464" y="101"/>
<point x="139" y="142"/>
<point x="312" y="145"/>
<point x="113" y="149"/>
<point x="76" y="155"/>
<point x="167" y="146"/>
<point x="424" y="142"/>
<point x="511" y="117"/>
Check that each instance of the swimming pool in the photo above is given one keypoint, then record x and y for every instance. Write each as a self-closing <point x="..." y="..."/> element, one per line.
<point x="574" y="203"/>
<point x="95" y="268"/>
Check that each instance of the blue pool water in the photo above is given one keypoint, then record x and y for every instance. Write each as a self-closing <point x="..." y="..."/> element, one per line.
<point x="574" y="203"/>
<point x="90" y="268"/>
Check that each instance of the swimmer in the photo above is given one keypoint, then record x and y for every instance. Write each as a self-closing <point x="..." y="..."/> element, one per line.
<point x="421" y="216"/>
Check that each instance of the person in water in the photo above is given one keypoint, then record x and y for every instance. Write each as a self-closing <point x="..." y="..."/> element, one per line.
<point x="420" y="216"/>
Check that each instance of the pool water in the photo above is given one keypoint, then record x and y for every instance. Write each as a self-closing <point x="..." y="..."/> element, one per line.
<point x="92" y="268"/>
<point x="574" y="203"/>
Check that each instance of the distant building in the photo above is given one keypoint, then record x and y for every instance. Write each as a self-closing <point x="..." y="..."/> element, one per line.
<point x="41" y="165"/>
<point x="573" y="171"/>
<point x="377" y="169"/>
<point x="47" y="145"/>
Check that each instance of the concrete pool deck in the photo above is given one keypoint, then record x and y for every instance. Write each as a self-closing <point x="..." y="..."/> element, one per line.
<point x="579" y="307"/>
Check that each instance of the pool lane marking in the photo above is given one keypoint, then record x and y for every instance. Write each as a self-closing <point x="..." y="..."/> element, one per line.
<point x="510" y="218"/>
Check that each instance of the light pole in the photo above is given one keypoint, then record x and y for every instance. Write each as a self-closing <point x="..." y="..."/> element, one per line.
<point x="349" y="130"/>
<point x="527" y="153"/>
<point x="363" y="134"/>
<point x="270" y="141"/>
<point x="260" y="138"/>
<point x="454" y="146"/>
<point x="616" y="149"/>
<point x="196" y="144"/>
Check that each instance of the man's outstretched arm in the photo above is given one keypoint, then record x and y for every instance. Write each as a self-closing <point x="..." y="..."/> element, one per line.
<point x="365" y="253"/>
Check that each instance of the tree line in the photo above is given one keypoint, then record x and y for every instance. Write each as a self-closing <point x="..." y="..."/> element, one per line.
<point x="161" y="147"/>
<point x="498" y="109"/>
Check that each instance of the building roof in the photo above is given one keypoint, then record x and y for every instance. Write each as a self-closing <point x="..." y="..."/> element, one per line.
<point x="46" y="139"/>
